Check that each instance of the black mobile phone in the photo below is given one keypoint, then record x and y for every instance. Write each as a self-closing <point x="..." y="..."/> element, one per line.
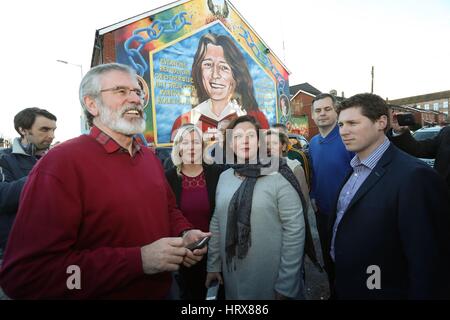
<point x="213" y="290"/>
<point x="198" y="244"/>
<point x="406" y="119"/>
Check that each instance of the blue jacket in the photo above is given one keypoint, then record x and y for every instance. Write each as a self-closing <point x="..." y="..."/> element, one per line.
<point x="399" y="221"/>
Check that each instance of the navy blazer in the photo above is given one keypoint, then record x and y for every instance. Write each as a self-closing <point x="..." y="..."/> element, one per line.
<point x="398" y="220"/>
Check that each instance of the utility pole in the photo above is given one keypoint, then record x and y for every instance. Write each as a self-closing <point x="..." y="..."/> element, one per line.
<point x="373" y="72"/>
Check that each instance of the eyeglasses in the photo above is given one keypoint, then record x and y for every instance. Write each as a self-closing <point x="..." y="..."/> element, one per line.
<point x="125" y="91"/>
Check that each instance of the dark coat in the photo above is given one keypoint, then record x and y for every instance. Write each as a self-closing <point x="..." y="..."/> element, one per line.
<point x="438" y="148"/>
<point x="15" y="165"/>
<point x="399" y="221"/>
<point x="192" y="280"/>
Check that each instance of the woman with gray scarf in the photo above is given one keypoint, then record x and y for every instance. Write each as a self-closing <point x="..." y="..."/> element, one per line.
<point x="258" y="227"/>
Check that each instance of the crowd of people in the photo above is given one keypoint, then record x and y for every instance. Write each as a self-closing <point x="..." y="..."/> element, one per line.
<point x="104" y="204"/>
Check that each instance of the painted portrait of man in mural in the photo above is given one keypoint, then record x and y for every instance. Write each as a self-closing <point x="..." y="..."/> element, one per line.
<point x="285" y="109"/>
<point x="223" y="85"/>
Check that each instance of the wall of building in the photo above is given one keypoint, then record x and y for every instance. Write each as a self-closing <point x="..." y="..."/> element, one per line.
<point x="440" y="105"/>
<point x="434" y="102"/>
<point x="301" y="105"/>
<point x="422" y="117"/>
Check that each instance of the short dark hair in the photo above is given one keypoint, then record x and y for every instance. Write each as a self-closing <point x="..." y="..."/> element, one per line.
<point x="25" y="118"/>
<point x="245" y="118"/>
<point x="235" y="122"/>
<point x="372" y="106"/>
<point x="323" y="96"/>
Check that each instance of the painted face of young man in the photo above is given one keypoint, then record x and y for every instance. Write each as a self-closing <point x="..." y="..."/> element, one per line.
<point x="41" y="133"/>
<point x="121" y="109"/>
<point x="217" y="75"/>
<point x="245" y="142"/>
<point x="324" y="114"/>
<point x="359" y="133"/>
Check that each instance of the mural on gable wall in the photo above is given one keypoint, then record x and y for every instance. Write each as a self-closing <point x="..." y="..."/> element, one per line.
<point x="202" y="64"/>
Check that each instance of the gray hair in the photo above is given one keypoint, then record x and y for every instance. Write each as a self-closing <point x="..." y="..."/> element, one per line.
<point x="90" y="85"/>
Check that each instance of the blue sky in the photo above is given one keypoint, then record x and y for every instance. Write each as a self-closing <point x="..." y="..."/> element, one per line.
<point x="330" y="44"/>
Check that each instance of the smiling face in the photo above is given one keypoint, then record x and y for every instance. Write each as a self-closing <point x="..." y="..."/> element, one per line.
<point x="217" y="75"/>
<point x="119" y="110"/>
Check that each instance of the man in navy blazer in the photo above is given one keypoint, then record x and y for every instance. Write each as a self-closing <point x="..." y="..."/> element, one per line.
<point x="389" y="235"/>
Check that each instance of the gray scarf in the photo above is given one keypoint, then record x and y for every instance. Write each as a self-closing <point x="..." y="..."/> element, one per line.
<point x="238" y="234"/>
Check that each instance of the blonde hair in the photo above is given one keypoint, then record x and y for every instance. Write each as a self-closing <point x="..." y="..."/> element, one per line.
<point x="181" y="132"/>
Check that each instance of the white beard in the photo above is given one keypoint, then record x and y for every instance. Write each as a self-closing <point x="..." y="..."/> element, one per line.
<point x="115" y="121"/>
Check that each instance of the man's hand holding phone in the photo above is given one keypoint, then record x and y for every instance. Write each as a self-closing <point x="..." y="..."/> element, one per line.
<point x="400" y="122"/>
<point x="195" y="241"/>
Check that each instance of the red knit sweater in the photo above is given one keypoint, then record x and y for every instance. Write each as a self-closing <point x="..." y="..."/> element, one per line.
<point x="89" y="203"/>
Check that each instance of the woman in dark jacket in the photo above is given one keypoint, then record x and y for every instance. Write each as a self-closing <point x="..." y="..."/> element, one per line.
<point x="194" y="185"/>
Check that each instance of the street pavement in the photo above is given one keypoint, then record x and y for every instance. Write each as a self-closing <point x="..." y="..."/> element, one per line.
<point x="316" y="282"/>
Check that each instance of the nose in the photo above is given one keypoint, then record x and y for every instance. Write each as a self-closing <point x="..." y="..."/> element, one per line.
<point x="51" y="134"/>
<point x="215" y="72"/>
<point x="133" y="97"/>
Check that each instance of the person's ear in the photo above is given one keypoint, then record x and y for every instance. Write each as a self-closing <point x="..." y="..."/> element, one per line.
<point x="22" y="131"/>
<point x="382" y="123"/>
<point x="91" y="105"/>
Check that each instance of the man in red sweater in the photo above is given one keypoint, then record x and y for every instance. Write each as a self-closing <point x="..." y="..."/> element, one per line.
<point x="97" y="219"/>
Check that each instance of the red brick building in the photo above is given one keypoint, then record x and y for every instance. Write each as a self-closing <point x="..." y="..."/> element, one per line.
<point x="433" y="107"/>
<point x="301" y="102"/>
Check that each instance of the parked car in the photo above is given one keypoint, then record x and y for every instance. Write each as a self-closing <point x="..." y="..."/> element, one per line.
<point x="424" y="134"/>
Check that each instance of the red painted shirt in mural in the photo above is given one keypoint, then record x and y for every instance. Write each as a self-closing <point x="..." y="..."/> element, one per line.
<point x="203" y="116"/>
